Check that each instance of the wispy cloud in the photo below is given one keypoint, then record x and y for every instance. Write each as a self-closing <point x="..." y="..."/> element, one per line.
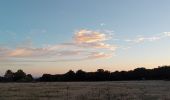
<point x="140" y="39"/>
<point x="86" y="44"/>
<point x="20" y="52"/>
<point x="96" y="55"/>
<point x="166" y="33"/>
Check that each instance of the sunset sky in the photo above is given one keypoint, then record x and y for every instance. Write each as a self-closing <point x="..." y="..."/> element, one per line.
<point x="53" y="36"/>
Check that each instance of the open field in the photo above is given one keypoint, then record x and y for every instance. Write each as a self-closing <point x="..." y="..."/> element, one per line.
<point x="120" y="90"/>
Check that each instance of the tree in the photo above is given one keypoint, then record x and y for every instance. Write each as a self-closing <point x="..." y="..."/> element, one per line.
<point x="19" y="75"/>
<point x="46" y="77"/>
<point x="100" y="75"/>
<point x="28" y="78"/>
<point x="140" y="73"/>
<point x="81" y="75"/>
<point x="69" y="76"/>
<point x="100" y="70"/>
<point x="9" y="75"/>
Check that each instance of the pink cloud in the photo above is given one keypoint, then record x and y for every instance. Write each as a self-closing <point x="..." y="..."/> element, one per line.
<point x="84" y="45"/>
<point x="88" y="36"/>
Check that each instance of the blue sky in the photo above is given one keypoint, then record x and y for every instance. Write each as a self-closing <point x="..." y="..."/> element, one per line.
<point x="58" y="35"/>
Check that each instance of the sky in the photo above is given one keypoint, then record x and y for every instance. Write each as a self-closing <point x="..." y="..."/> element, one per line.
<point x="54" y="36"/>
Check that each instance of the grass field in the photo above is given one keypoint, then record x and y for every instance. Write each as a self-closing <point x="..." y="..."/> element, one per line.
<point x="120" y="90"/>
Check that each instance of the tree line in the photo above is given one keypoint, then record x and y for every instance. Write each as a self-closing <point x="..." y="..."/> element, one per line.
<point x="19" y="76"/>
<point x="160" y="73"/>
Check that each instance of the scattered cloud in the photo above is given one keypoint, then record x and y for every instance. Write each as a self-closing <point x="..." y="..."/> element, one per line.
<point x="86" y="44"/>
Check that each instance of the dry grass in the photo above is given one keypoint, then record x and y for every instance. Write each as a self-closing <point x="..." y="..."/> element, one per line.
<point x="121" y="90"/>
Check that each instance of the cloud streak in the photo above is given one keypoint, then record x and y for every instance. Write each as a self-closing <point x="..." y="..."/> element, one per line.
<point x="95" y="55"/>
<point x="141" y="39"/>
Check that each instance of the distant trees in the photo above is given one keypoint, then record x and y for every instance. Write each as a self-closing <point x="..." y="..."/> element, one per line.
<point x="19" y="76"/>
<point x="160" y="73"/>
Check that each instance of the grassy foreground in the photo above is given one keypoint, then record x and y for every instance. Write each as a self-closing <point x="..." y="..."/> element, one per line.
<point x="119" y="90"/>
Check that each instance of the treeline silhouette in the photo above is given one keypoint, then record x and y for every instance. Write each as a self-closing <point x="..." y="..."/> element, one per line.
<point x="160" y="73"/>
<point x="19" y="76"/>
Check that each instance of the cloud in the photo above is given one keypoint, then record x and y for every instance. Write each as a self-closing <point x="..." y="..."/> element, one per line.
<point x="88" y="36"/>
<point x="99" y="45"/>
<point x="92" y="39"/>
<point x="28" y="52"/>
<point x="3" y="52"/>
<point x="70" y="52"/>
<point x="143" y="39"/>
<point x="166" y="33"/>
<point x="96" y="55"/>
<point x="3" y="49"/>
<point x="102" y="24"/>
<point x="20" y="52"/>
<point x="86" y="44"/>
<point x="140" y="39"/>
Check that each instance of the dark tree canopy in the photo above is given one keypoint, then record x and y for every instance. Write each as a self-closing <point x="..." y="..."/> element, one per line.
<point x="19" y="76"/>
<point x="160" y="73"/>
<point x="9" y="75"/>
